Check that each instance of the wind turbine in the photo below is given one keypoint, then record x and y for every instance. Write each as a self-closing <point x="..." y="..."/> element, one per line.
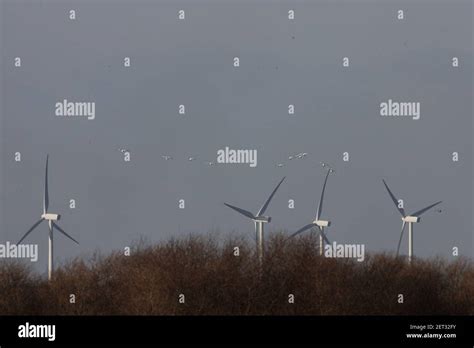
<point x="51" y="218"/>
<point x="320" y="224"/>
<point x="410" y="219"/>
<point x="259" y="219"/>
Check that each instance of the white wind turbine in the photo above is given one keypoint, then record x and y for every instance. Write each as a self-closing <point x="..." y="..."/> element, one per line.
<point x="259" y="219"/>
<point x="51" y="218"/>
<point x="320" y="224"/>
<point x="410" y="219"/>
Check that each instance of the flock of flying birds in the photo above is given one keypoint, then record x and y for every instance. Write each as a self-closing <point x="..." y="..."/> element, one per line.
<point x="300" y="155"/>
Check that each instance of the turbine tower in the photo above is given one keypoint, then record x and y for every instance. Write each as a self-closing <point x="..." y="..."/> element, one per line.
<point x="410" y="219"/>
<point x="320" y="224"/>
<point x="259" y="219"/>
<point x="51" y="218"/>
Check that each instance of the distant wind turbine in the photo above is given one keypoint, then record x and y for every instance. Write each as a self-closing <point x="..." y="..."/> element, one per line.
<point x="259" y="220"/>
<point x="410" y="219"/>
<point x="318" y="223"/>
<point x="51" y="218"/>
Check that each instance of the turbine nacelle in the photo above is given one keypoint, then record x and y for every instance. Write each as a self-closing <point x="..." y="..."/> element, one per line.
<point x="51" y="217"/>
<point x="322" y="223"/>
<point x="411" y="219"/>
<point x="265" y="219"/>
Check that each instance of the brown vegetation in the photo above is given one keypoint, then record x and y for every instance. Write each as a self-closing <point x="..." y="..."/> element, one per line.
<point x="215" y="282"/>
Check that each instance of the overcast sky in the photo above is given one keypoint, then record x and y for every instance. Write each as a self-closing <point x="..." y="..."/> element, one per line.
<point x="190" y="62"/>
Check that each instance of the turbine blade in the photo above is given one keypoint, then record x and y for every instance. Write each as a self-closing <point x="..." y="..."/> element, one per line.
<point x="324" y="236"/>
<point x="302" y="229"/>
<point x="46" y="194"/>
<point x="424" y="210"/>
<point x="241" y="211"/>
<point x="401" y="237"/>
<point x="31" y="229"/>
<point x="265" y="206"/>
<point x="320" y="206"/>
<point x="395" y="201"/>
<point x="62" y="231"/>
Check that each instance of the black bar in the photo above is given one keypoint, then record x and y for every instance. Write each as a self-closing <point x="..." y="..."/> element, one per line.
<point x="219" y="330"/>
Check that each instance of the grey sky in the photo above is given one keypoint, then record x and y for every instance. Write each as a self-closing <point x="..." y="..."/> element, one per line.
<point x="190" y="62"/>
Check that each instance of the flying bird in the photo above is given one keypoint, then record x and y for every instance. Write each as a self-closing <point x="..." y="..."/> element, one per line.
<point x="301" y="155"/>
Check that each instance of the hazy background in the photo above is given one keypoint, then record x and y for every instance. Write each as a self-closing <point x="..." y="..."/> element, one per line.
<point x="190" y="62"/>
